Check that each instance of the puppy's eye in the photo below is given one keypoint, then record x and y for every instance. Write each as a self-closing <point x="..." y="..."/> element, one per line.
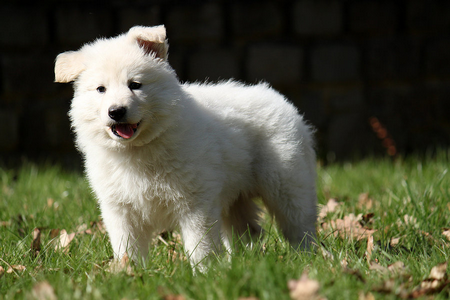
<point x="101" y="89"/>
<point x="134" y="85"/>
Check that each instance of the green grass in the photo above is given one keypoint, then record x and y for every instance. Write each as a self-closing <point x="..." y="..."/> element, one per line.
<point x="49" y="197"/>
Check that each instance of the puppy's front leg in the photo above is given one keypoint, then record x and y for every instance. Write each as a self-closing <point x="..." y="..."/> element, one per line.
<point x="200" y="231"/>
<point x="118" y="228"/>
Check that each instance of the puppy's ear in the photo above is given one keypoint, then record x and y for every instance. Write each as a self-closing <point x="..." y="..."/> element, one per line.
<point x="151" y="39"/>
<point x="68" y="66"/>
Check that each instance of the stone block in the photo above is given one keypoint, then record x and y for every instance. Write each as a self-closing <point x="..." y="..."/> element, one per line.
<point x="337" y="62"/>
<point x="144" y="16"/>
<point x="393" y="58"/>
<point x="195" y="24"/>
<point x="277" y="64"/>
<point x="213" y="65"/>
<point x="373" y="17"/>
<point x="75" y="25"/>
<point x="256" y="19"/>
<point x="423" y="16"/>
<point x="318" y="17"/>
<point x="437" y="58"/>
<point x="23" y="26"/>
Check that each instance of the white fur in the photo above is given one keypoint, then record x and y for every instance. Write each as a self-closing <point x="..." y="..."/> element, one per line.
<point x="200" y="154"/>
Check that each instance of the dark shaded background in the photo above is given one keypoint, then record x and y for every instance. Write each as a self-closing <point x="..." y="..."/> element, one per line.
<point x="372" y="76"/>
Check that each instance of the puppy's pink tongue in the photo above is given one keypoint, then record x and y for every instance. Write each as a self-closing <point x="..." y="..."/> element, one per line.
<point x="125" y="130"/>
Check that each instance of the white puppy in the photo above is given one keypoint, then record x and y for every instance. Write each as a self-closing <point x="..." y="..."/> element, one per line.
<point x="161" y="154"/>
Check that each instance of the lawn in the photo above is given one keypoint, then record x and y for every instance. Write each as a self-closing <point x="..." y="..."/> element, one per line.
<point x="383" y="232"/>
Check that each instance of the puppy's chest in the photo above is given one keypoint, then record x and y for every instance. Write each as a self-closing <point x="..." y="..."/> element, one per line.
<point x="144" y="188"/>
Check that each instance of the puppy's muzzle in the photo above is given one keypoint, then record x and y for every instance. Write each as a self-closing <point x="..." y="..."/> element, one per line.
<point x="117" y="113"/>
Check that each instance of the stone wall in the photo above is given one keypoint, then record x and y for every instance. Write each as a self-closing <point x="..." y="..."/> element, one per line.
<point x="352" y="67"/>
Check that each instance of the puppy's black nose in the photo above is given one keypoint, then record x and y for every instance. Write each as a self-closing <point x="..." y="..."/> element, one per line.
<point x="117" y="112"/>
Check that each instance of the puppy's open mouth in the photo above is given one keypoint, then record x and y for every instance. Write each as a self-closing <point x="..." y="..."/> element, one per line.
<point x="124" y="130"/>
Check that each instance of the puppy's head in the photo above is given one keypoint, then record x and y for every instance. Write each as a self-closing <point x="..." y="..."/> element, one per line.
<point x="124" y="88"/>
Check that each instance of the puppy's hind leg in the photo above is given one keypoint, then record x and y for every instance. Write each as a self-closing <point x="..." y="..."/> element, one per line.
<point x="295" y="211"/>
<point x="241" y="222"/>
<point x="200" y="231"/>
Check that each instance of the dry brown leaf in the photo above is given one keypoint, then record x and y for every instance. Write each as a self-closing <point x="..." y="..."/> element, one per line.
<point x="99" y="226"/>
<point x="43" y="291"/>
<point x="364" y="202"/>
<point x="331" y="206"/>
<point x="446" y="233"/>
<point x="439" y="272"/>
<point x="370" y="247"/>
<point x="409" y="220"/>
<point x="397" y="267"/>
<point x="5" y="223"/>
<point x="368" y="296"/>
<point x="304" y="288"/>
<point x="81" y="228"/>
<point x="350" y="226"/>
<point x="64" y="240"/>
<point x="436" y="282"/>
<point x="36" y="243"/>
<point x="174" y="297"/>
<point x="50" y="202"/>
<point x="122" y="265"/>
<point x="377" y="267"/>
<point x="13" y="268"/>
<point x="394" y="242"/>
<point x="344" y="263"/>
<point x="54" y="233"/>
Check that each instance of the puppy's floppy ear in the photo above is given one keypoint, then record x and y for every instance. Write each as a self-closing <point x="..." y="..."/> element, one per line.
<point x="68" y="66"/>
<point x="151" y="39"/>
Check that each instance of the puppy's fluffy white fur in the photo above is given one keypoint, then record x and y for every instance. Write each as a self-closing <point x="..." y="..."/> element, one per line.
<point x="198" y="153"/>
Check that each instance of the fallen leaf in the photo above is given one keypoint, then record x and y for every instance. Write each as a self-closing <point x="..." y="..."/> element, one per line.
<point x="43" y="291"/>
<point x="99" y="226"/>
<point x="368" y="296"/>
<point x="364" y="202"/>
<point x="370" y="247"/>
<point x="174" y="297"/>
<point x="325" y="253"/>
<point x="397" y="267"/>
<point x="438" y="272"/>
<point x="331" y="206"/>
<point x="446" y="233"/>
<point x="64" y="240"/>
<point x="409" y="220"/>
<point x="36" y="243"/>
<point x="394" y="242"/>
<point x="13" y="268"/>
<point x="81" y="228"/>
<point x="304" y="288"/>
<point x="5" y="223"/>
<point x="50" y="202"/>
<point x="54" y="233"/>
<point x="350" y="226"/>
<point x="436" y="282"/>
<point x="377" y="267"/>
<point x="122" y="265"/>
<point x="167" y="296"/>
